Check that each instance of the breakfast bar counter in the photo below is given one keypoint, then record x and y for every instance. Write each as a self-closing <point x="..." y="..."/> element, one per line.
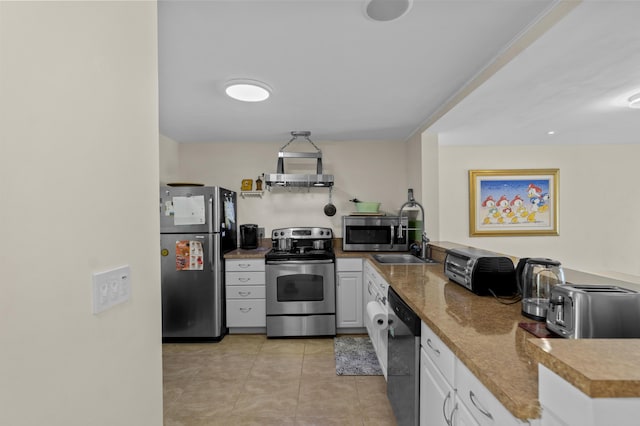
<point x="599" y="368"/>
<point x="484" y="333"/>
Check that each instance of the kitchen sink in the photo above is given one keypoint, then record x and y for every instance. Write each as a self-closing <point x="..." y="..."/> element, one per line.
<point x="404" y="259"/>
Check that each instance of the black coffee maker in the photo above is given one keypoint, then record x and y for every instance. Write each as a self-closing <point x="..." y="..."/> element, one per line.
<point x="249" y="236"/>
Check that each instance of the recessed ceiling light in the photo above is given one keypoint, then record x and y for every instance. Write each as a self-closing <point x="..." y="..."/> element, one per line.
<point x="551" y="132"/>
<point x="247" y="90"/>
<point x="634" y="101"/>
<point x="386" y="10"/>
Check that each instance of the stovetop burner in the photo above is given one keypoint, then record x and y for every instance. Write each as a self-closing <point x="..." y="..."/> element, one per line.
<point x="302" y="243"/>
<point x="300" y="253"/>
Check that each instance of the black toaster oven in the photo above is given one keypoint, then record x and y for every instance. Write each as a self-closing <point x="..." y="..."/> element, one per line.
<point x="481" y="271"/>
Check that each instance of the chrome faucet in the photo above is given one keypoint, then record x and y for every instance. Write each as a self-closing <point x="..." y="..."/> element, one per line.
<point x="424" y="239"/>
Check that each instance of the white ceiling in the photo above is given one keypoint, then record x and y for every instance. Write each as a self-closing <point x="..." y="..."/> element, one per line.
<point x="345" y="77"/>
<point x="574" y="80"/>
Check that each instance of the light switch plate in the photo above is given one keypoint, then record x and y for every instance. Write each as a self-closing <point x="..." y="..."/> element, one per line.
<point x="111" y="288"/>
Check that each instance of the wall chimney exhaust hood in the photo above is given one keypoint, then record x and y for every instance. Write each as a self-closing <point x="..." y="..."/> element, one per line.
<point x="280" y="178"/>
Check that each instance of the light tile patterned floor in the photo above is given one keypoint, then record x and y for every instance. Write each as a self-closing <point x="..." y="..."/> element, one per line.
<point x="252" y="380"/>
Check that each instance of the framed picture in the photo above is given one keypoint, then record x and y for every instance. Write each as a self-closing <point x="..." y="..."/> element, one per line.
<point x="516" y="202"/>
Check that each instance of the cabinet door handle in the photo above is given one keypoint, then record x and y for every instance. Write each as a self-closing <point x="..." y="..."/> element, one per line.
<point x="473" y="398"/>
<point x="244" y="293"/>
<point x="244" y="279"/>
<point x="453" y="413"/>
<point x="437" y="351"/>
<point x="244" y="265"/>
<point x="245" y="310"/>
<point x="444" y="409"/>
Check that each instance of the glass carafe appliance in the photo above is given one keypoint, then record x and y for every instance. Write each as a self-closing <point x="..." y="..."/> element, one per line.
<point x="536" y="278"/>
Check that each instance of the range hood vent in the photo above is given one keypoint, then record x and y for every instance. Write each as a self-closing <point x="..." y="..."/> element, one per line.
<point x="280" y="178"/>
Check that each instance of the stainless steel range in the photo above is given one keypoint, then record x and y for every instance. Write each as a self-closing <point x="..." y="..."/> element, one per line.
<point x="301" y="283"/>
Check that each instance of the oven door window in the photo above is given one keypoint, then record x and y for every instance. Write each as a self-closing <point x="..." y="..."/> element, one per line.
<point x="368" y="234"/>
<point x="300" y="288"/>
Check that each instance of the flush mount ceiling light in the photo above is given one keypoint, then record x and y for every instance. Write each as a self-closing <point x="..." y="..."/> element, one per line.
<point x="247" y="90"/>
<point x="634" y="101"/>
<point x="386" y="10"/>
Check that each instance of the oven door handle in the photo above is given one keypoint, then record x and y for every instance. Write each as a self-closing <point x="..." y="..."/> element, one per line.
<point x="298" y="262"/>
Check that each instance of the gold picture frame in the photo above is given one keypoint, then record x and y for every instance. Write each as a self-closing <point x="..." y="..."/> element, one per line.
<point x="513" y="202"/>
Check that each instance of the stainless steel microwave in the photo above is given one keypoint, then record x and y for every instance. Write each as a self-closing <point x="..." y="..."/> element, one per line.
<point x="375" y="233"/>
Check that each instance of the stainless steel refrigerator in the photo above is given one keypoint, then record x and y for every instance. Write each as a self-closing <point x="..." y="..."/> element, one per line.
<point x="197" y="226"/>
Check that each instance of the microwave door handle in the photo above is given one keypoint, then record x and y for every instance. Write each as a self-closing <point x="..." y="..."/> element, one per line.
<point x="392" y="235"/>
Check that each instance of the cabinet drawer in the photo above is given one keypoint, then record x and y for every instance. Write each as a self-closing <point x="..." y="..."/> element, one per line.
<point x="438" y="352"/>
<point x="244" y="265"/>
<point x="368" y="269"/>
<point x="246" y="313"/>
<point x="484" y="407"/>
<point x="377" y="280"/>
<point x="245" y="278"/>
<point x="348" y="264"/>
<point x="245" y="292"/>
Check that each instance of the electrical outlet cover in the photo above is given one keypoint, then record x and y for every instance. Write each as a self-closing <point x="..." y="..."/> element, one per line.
<point x="111" y="288"/>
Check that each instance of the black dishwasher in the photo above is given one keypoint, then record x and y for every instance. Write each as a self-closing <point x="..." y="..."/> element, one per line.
<point x="403" y="369"/>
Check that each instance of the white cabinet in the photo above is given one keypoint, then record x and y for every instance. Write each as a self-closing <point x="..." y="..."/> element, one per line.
<point x="565" y="405"/>
<point x="376" y="290"/>
<point x="436" y="395"/>
<point x="450" y="394"/>
<point x="462" y="416"/>
<point x="480" y="402"/>
<point x="349" y="293"/>
<point x="245" y="295"/>
<point x="438" y="352"/>
<point x="244" y="265"/>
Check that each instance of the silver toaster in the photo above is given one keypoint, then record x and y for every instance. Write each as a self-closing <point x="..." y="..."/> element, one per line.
<point x="594" y="311"/>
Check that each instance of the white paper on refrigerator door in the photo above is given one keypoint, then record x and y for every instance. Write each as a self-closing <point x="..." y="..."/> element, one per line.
<point x="189" y="210"/>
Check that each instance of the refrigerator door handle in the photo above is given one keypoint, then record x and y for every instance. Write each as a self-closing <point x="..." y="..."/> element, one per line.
<point x="212" y="241"/>
<point x="212" y="216"/>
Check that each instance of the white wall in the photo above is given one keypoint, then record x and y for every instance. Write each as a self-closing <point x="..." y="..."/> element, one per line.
<point x="599" y="223"/>
<point x="169" y="160"/>
<point x="79" y="172"/>
<point x="414" y="165"/>
<point x="370" y="171"/>
<point x="431" y="184"/>
<point x="598" y="229"/>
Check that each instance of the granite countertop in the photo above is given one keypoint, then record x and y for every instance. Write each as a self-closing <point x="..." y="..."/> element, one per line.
<point x="484" y="334"/>
<point x="257" y="253"/>
<point x="600" y="368"/>
<point x="480" y="331"/>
